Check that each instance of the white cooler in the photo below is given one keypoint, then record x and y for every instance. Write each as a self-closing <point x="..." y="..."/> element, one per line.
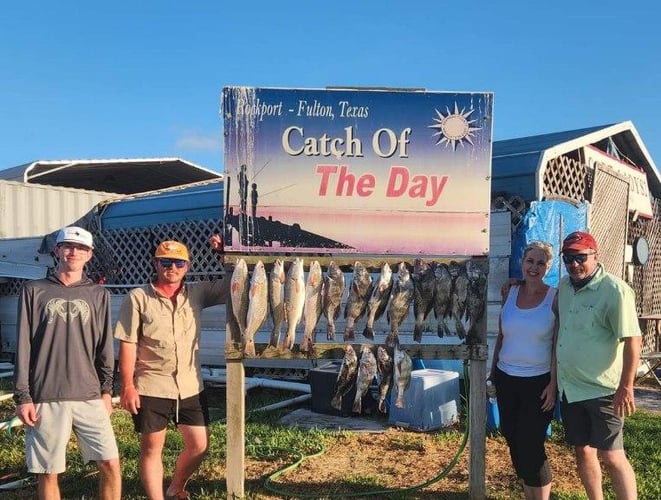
<point x="430" y="402"/>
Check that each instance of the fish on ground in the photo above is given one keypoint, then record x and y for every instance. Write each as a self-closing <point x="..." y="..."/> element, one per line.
<point x="376" y="305"/>
<point x="402" y="366"/>
<point x="346" y="377"/>
<point x="257" y="308"/>
<point x="359" y="293"/>
<point x="442" y="297"/>
<point x="366" y="374"/>
<point x="400" y="302"/>
<point x="384" y="365"/>
<point x="424" y="284"/>
<point x="459" y="296"/>
<point x="331" y="302"/>
<point x="239" y="287"/>
<point x="277" y="300"/>
<point x="294" y="300"/>
<point x="312" y="306"/>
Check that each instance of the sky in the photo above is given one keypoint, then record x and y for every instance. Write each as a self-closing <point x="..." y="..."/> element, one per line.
<point x="143" y="78"/>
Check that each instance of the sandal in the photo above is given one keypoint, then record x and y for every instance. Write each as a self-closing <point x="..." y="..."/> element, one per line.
<point x="182" y="495"/>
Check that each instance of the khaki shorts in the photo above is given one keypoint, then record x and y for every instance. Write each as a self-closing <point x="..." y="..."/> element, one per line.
<point x="46" y="442"/>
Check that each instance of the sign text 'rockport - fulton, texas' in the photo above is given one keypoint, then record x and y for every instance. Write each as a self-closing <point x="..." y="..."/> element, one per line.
<point x="357" y="171"/>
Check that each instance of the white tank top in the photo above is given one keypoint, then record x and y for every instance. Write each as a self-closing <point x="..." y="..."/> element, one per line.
<point x="527" y="336"/>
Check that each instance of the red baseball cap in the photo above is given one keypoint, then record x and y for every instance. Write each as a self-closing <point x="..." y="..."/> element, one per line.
<point x="579" y="241"/>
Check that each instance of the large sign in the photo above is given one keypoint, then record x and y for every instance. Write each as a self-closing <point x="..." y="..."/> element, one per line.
<point x="357" y="171"/>
<point x="639" y="193"/>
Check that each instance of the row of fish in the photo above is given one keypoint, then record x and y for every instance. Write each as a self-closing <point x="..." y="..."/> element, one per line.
<point x="391" y="366"/>
<point x="453" y="291"/>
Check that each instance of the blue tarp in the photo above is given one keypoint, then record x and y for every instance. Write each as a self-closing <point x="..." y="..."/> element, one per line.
<point x="548" y="221"/>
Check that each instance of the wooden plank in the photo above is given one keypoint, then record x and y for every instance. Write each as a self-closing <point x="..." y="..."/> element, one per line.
<point x="477" y="437"/>
<point x="235" y="431"/>
<point x="336" y="351"/>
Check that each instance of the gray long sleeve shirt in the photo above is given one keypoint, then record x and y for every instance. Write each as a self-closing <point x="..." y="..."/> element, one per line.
<point x="64" y="342"/>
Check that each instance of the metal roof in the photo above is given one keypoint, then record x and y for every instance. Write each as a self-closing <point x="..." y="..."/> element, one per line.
<point x="196" y="201"/>
<point x="518" y="164"/>
<point x="123" y="176"/>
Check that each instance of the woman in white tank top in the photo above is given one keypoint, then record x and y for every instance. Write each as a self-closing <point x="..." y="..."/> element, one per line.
<point x="523" y="370"/>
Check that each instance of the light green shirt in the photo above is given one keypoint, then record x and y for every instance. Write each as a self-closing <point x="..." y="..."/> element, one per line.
<point x="592" y="325"/>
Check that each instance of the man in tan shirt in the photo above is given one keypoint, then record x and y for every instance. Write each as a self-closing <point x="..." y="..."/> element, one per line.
<point x="159" y="365"/>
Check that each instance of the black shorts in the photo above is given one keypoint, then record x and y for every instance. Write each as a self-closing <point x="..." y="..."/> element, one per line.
<point x="155" y="413"/>
<point x="592" y="422"/>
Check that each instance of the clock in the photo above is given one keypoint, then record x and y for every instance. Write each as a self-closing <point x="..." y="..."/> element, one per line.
<point x="641" y="251"/>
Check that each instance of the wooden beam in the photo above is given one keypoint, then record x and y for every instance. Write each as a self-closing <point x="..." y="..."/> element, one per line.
<point x="336" y="351"/>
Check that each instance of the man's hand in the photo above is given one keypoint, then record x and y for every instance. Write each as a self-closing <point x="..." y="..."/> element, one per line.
<point x="27" y="413"/>
<point x="624" y="402"/>
<point x="107" y="402"/>
<point x="130" y="400"/>
<point x="217" y="244"/>
<point x="505" y="288"/>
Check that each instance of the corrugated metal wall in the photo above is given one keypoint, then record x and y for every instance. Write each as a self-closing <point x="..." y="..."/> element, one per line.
<point x="28" y="210"/>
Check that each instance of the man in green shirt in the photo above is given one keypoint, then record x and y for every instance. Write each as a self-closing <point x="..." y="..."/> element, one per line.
<point x="598" y="352"/>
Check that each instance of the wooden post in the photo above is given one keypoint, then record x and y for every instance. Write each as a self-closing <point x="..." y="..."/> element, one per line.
<point x="477" y="438"/>
<point x="236" y="409"/>
<point x="478" y="405"/>
<point x="236" y="418"/>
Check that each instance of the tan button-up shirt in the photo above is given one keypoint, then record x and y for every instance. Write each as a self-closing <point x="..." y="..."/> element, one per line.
<point x="168" y="336"/>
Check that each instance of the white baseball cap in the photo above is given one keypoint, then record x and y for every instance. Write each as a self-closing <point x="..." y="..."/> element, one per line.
<point x="73" y="234"/>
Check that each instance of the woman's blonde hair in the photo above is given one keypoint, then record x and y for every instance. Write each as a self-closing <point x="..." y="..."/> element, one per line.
<point x="545" y="247"/>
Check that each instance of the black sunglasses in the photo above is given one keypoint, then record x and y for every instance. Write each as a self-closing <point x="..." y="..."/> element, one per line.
<point x="580" y="258"/>
<point x="179" y="263"/>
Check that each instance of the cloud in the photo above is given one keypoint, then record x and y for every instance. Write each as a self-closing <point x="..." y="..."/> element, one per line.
<point x="196" y="141"/>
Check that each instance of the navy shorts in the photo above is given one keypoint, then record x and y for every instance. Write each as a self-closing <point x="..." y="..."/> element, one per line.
<point x="155" y="413"/>
<point x="592" y="422"/>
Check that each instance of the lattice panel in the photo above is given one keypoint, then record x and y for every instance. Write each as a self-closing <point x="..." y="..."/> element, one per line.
<point x="608" y="220"/>
<point x="646" y="278"/>
<point x="125" y="256"/>
<point x="515" y="204"/>
<point x="565" y="178"/>
<point x="12" y="287"/>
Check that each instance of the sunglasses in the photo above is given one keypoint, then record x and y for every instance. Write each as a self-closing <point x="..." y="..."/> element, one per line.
<point x="579" y="258"/>
<point x="178" y="263"/>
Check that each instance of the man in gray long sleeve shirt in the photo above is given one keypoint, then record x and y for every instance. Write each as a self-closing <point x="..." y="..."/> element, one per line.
<point x="63" y="373"/>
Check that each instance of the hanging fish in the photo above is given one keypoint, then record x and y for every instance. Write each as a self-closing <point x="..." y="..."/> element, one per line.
<point x="402" y="366"/>
<point x="359" y="293"/>
<point x="294" y="300"/>
<point x="400" y="302"/>
<point x="366" y="374"/>
<point x="346" y="377"/>
<point x="459" y="296"/>
<point x="331" y="302"/>
<point x="239" y="287"/>
<point x="442" y="297"/>
<point x="424" y="284"/>
<point x="476" y="296"/>
<point x="376" y="305"/>
<point x="312" y="306"/>
<point x="384" y="365"/>
<point x="257" y="308"/>
<point x="277" y="300"/>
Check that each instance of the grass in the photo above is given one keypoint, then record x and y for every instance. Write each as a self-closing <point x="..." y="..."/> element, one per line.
<point x="270" y="447"/>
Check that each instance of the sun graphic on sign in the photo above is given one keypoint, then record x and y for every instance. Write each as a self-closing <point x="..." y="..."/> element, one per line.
<point x="454" y="127"/>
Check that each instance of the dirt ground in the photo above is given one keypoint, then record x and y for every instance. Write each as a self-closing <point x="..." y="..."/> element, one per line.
<point x="403" y="459"/>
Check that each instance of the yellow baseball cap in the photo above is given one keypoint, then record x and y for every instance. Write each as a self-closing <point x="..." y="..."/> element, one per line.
<point x="172" y="250"/>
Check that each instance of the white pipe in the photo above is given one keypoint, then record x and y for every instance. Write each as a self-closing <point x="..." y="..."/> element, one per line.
<point x="6" y="374"/>
<point x="4" y="397"/>
<point x="287" y="402"/>
<point x="253" y="382"/>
